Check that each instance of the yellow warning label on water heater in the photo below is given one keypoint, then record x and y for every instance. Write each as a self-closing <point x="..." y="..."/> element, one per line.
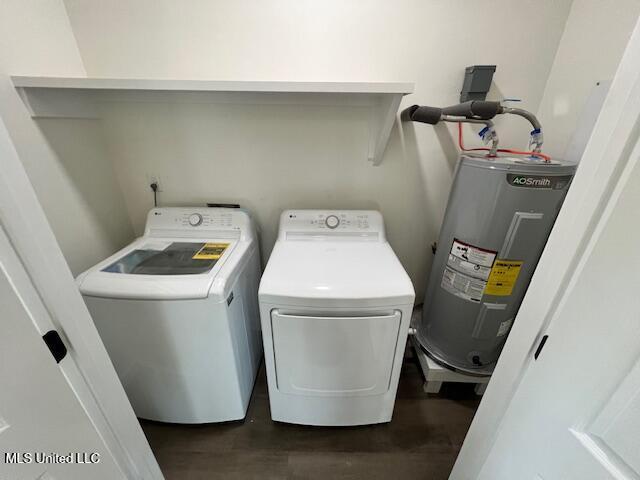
<point x="211" y="251"/>
<point x="503" y="277"/>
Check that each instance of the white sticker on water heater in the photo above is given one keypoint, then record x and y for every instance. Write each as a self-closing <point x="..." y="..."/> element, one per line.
<point x="473" y="255"/>
<point x="463" y="286"/>
<point x="468" y="268"/>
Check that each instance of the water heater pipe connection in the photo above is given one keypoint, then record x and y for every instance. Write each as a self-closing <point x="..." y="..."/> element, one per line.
<point x="478" y="111"/>
<point x="537" y="140"/>
<point x="489" y="132"/>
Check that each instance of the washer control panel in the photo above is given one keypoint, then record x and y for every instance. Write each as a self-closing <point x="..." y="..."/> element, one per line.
<point x="331" y="222"/>
<point x="195" y="219"/>
<point x="205" y="219"/>
<point x="197" y="222"/>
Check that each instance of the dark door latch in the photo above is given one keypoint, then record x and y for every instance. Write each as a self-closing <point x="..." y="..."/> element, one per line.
<point x="55" y="344"/>
<point x="540" y="346"/>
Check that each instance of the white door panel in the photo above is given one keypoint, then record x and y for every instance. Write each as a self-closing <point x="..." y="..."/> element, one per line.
<point x="39" y="410"/>
<point x="616" y="429"/>
<point x="576" y="414"/>
<point x="334" y="356"/>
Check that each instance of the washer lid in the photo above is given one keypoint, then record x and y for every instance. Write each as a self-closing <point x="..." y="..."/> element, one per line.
<point x="169" y="258"/>
<point x="335" y="274"/>
<point x="163" y="269"/>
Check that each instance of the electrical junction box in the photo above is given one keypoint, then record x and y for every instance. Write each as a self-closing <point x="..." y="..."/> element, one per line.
<point x="477" y="80"/>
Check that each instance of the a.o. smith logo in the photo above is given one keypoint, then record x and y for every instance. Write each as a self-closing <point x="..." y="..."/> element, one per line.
<point x="554" y="182"/>
<point x="532" y="181"/>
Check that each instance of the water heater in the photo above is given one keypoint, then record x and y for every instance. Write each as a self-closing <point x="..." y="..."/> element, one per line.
<point x="498" y="218"/>
<point x="501" y="209"/>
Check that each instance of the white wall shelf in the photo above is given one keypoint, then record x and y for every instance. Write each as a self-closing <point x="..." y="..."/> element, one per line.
<point x="78" y="97"/>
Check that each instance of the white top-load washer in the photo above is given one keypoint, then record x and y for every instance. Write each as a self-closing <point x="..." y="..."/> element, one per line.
<point x="335" y="306"/>
<point x="177" y="311"/>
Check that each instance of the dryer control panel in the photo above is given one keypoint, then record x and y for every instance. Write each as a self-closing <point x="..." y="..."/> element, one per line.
<point x="333" y="224"/>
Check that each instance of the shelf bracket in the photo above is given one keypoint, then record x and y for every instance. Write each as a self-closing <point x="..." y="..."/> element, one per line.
<point x="383" y="116"/>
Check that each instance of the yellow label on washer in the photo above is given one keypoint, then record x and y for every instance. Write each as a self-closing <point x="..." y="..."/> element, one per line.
<point x="211" y="251"/>
<point x="503" y="277"/>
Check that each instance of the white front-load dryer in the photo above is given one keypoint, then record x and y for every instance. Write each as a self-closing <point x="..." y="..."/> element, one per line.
<point x="177" y="311"/>
<point x="335" y="307"/>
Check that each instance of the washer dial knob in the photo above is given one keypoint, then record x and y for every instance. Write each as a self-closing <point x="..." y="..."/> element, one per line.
<point x="332" y="221"/>
<point x="195" y="219"/>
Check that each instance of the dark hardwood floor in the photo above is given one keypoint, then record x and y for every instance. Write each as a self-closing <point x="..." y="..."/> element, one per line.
<point x="421" y="442"/>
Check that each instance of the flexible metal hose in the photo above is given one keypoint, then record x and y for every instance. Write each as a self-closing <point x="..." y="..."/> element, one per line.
<point x="533" y="120"/>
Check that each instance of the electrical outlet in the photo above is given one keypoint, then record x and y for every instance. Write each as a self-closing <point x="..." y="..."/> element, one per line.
<point x="154" y="179"/>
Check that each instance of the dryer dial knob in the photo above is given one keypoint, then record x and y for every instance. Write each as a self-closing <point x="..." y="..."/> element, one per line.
<point x="332" y="221"/>
<point x="195" y="219"/>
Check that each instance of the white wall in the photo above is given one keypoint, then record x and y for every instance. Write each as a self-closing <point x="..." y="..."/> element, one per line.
<point x="286" y="158"/>
<point x="591" y="47"/>
<point x="74" y="180"/>
<point x="312" y="159"/>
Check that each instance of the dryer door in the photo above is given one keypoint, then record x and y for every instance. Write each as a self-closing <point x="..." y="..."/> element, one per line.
<point x="334" y="356"/>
